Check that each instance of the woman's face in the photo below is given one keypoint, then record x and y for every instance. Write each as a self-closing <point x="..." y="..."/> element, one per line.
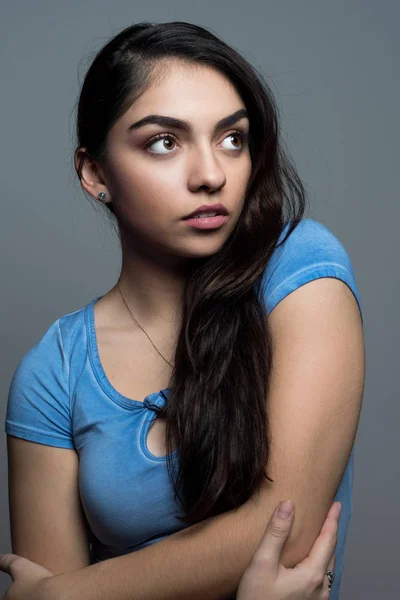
<point x="154" y="183"/>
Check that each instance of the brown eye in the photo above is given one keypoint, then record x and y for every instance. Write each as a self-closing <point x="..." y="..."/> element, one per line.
<point x="239" y="140"/>
<point x="168" y="142"/>
<point x="237" y="137"/>
<point x="164" y="140"/>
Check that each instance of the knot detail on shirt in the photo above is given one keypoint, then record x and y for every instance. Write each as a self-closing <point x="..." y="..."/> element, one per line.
<point x="157" y="400"/>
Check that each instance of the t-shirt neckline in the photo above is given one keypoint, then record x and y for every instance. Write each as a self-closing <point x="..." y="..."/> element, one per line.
<point x="152" y="401"/>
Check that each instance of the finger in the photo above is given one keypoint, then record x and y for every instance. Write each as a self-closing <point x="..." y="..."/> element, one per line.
<point x="331" y="567"/>
<point x="6" y="561"/>
<point x="275" y="536"/>
<point x="324" y="545"/>
<point x="332" y="562"/>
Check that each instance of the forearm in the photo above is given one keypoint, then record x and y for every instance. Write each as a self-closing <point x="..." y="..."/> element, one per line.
<point x="206" y="560"/>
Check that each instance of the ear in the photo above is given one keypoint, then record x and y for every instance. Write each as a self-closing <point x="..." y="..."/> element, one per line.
<point x="90" y="174"/>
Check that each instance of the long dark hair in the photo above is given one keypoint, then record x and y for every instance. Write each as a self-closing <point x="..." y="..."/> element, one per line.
<point x="216" y="415"/>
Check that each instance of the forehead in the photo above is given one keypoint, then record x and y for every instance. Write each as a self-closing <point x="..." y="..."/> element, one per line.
<point x="196" y="92"/>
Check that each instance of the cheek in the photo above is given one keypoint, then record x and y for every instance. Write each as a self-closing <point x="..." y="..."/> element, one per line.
<point x="147" y="205"/>
<point x="141" y="190"/>
<point x="239" y="180"/>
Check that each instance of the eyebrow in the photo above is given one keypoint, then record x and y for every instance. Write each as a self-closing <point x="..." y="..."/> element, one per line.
<point x="165" y="121"/>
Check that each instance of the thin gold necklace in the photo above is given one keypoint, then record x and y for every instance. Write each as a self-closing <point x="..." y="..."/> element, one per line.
<point x="130" y="312"/>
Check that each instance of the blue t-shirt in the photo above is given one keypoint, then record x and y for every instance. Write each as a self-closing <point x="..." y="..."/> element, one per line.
<point x="60" y="396"/>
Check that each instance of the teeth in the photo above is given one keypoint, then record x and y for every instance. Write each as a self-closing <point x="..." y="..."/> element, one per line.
<point x="214" y="214"/>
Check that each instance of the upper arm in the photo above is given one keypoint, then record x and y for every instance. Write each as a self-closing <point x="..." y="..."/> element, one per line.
<point x="314" y="401"/>
<point x="47" y="522"/>
<point x="48" y="525"/>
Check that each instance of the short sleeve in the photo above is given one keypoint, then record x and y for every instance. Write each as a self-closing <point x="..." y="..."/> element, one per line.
<point x="38" y="406"/>
<point x="310" y="252"/>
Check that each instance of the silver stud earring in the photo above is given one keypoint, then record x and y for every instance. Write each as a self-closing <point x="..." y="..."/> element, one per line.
<point x="102" y="196"/>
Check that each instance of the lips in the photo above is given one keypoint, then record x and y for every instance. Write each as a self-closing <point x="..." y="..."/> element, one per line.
<point x="218" y="209"/>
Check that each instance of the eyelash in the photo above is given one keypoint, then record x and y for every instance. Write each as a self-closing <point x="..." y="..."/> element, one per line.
<point x="245" y="138"/>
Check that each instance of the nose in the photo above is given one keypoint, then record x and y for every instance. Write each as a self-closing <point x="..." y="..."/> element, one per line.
<point x="205" y="171"/>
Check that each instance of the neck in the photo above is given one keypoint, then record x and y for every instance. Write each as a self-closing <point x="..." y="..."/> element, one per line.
<point x="153" y="289"/>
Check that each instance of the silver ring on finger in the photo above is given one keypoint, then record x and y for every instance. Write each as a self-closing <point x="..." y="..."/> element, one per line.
<point x="331" y="577"/>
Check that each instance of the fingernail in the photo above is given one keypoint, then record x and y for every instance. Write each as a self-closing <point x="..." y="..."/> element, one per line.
<point x="339" y="508"/>
<point x="285" y="509"/>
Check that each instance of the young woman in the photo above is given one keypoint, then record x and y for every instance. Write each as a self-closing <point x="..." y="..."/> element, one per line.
<point x="248" y="323"/>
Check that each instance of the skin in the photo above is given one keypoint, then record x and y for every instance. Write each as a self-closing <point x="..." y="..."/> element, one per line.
<point x="153" y="188"/>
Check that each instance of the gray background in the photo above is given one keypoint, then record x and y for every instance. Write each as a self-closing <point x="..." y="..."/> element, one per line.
<point x="333" y="67"/>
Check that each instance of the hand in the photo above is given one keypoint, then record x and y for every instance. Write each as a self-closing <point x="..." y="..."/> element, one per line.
<point x="266" y="579"/>
<point x="28" y="577"/>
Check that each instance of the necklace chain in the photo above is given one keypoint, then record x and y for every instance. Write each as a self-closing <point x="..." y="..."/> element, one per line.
<point x="130" y="312"/>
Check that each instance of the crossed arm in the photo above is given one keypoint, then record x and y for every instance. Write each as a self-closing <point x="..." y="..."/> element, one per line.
<point x="314" y="404"/>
